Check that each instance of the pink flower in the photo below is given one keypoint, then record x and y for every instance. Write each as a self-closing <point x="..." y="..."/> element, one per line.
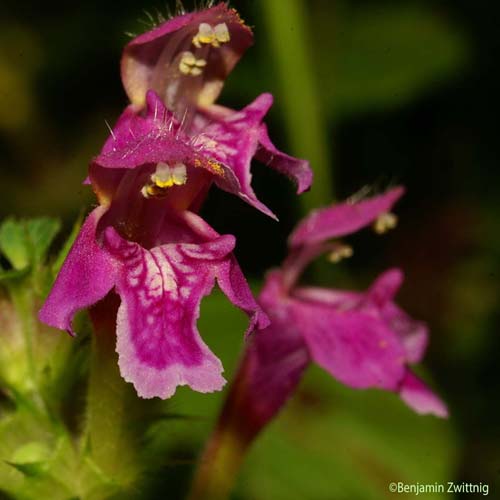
<point x="363" y="339"/>
<point x="145" y="240"/>
<point x="173" y="75"/>
<point x="160" y="287"/>
<point x="186" y="59"/>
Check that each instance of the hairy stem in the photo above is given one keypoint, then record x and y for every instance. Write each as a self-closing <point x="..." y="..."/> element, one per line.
<point x="109" y="435"/>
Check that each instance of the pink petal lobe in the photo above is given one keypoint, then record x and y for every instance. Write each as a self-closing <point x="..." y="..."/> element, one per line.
<point x="233" y="283"/>
<point x="144" y="141"/>
<point x="296" y="169"/>
<point x="385" y="287"/>
<point x="355" y="346"/>
<point x="420" y="398"/>
<point x="228" y="272"/>
<point x="413" y="334"/>
<point x="342" y="219"/>
<point x="87" y="275"/>
<point x="233" y="138"/>
<point x="158" y="343"/>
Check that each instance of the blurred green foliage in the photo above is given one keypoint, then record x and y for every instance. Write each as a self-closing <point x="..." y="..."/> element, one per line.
<point x="383" y="56"/>
<point x="404" y="92"/>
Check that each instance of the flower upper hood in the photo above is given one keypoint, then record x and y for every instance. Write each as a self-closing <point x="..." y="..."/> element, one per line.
<point x="185" y="59"/>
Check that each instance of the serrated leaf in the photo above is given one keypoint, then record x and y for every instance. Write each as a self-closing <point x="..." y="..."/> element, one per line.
<point x="37" y="458"/>
<point x="14" y="243"/>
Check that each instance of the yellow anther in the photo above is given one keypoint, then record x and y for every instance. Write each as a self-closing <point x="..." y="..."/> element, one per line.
<point x="205" y="35"/>
<point x="189" y="65"/>
<point x="385" y="222"/>
<point x="339" y="253"/>
<point x="163" y="178"/>
<point x="208" y="35"/>
<point x="222" y="33"/>
<point x="167" y="176"/>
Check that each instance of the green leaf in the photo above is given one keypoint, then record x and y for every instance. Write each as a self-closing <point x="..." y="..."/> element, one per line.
<point x="25" y="243"/>
<point x="14" y="243"/>
<point x="37" y="458"/>
<point x="13" y="274"/>
<point x="29" y="469"/>
<point x="34" y="452"/>
<point x="41" y="232"/>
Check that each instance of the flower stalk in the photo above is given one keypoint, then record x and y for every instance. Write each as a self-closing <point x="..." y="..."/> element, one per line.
<point x="108" y="432"/>
<point x="219" y="464"/>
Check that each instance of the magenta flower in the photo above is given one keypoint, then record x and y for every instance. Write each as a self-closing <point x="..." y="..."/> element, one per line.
<point x="145" y="241"/>
<point x="160" y="257"/>
<point x="363" y="339"/>
<point x="186" y="59"/>
<point x="160" y="287"/>
<point x="184" y="62"/>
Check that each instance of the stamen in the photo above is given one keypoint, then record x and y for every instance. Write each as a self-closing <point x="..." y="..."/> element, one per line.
<point x="167" y="176"/>
<point x="205" y="35"/>
<point x="189" y="65"/>
<point x="385" y="222"/>
<point x="339" y="253"/>
<point x="179" y="174"/>
<point x="214" y="36"/>
<point x="163" y="178"/>
<point x="222" y="33"/>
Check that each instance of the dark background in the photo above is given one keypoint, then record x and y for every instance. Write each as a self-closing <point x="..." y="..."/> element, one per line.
<point x="406" y="92"/>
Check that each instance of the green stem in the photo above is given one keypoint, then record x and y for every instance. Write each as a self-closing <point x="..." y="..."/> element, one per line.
<point x="306" y="125"/>
<point x="108" y="427"/>
<point x="22" y="299"/>
<point x="219" y="465"/>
